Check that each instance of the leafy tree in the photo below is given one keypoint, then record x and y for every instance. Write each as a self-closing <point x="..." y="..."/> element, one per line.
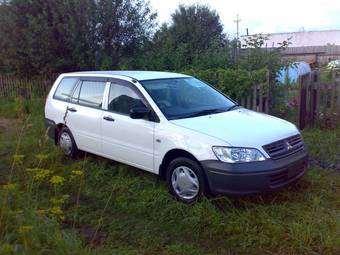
<point x="194" y="39"/>
<point x="255" y="56"/>
<point x="123" y="27"/>
<point x="197" y="26"/>
<point x="44" y="36"/>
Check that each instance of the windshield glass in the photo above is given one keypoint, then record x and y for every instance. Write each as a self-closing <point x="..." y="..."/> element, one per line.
<point x="186" y="97"/>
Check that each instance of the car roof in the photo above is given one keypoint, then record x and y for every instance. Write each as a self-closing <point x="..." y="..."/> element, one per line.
<point x="137" y="75"/>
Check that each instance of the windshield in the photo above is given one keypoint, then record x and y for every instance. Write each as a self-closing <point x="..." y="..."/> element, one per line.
<point x="186" y="97"/>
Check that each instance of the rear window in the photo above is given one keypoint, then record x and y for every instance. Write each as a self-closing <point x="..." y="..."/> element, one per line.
<point x="65" y="88"/>
<point x="91" y="93"/>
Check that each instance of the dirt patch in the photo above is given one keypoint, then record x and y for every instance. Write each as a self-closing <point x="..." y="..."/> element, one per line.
<point x="326" y="165"/>
<point x="90" y="235"/>
<point x="6" y="124"/>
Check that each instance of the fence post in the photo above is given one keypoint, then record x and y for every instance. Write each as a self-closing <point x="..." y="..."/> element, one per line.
<point x="255" y="97"/>
<point x="337" y="104"/>
<point x="1" y="87"/>
<point x="309" y="111"/>
<point x="266" y="106"/>
<point x="261" y="97"/>
<point x="302" y="103"/>
<point x="314" y="96"/>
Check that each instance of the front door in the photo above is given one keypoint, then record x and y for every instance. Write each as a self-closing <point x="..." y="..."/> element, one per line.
<point x="125" y="139"/>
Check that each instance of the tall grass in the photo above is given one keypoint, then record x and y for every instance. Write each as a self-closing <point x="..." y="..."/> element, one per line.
<point x="91" y="205"/>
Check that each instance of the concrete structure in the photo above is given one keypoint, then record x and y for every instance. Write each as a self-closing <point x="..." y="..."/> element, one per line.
<point x="314" y="47"/>
<point x="305" y="38"/>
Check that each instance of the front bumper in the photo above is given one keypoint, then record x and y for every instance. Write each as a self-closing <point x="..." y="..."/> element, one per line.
<point x="254" y="177"/>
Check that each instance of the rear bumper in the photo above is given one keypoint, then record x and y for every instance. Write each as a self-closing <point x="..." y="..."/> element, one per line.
<point x="254" y="177"/>
<point x="50" y="128"/>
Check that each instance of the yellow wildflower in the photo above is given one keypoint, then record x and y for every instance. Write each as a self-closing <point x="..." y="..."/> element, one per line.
<point x="7" y="249"/>
<point x="19" y="211"/>
<point x="42" y="174"/>
<point x="60" y="200"/>
<point x="25" y="229"/>
<point x="77" y="172"/>
<point x="9" y="186"/>
<point x="57" y="212"/>
<point x="41" y="156"/>
<point x="57" y="180"/>
<point x="41" y="212"/>
<point x="18" y="158"/>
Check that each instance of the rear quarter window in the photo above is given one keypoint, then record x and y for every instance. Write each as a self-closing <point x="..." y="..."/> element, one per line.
<point x="91" y="93"/>
<point x="65" y="88"/>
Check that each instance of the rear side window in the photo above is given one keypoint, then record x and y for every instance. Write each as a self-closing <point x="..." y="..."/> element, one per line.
<point x="122" y="99"/>
<point x="65" y="88"/>
<point x="91" y="93"/>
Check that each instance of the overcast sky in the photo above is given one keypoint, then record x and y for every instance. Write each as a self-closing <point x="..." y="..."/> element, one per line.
<point x="264" y="15"/>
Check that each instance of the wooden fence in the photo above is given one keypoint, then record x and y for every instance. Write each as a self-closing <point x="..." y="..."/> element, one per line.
<point x="11" y="86"/>
<point x="258" y="97"/>
<point x="319" y="102"/>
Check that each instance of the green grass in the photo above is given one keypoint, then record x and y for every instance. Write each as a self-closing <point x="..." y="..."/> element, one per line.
<point x="123" y="210"/>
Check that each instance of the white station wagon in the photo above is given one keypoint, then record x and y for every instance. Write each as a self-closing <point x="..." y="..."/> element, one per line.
<point x="174" y="125"/>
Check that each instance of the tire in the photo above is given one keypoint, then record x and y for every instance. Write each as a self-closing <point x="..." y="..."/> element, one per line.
<point x="185" y="180"/>
<point x="66" y="143"/>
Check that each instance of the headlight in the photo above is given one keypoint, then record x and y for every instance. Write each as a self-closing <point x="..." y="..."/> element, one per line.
<point x="237" y="155"/>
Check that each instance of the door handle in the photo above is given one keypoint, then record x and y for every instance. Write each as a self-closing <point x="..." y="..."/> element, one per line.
<point x="71" y="109"/>
<point x="108" y="118"/>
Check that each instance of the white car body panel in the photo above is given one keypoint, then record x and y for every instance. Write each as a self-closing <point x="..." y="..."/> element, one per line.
<point x="129" y="140"/>
<point x="85" y="125"/>
<point x="241" y="128"/>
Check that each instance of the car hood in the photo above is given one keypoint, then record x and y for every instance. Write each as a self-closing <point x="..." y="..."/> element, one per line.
<point x="241" y="127"/>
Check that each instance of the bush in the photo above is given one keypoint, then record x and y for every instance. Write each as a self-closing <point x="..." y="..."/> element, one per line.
<point x="235" y="83"/>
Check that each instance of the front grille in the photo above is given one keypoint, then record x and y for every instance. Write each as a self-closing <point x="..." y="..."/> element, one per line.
<point x="284" y="147"/>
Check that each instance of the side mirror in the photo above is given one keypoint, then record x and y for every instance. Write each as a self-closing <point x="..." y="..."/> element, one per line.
<point x="139" y="112"/>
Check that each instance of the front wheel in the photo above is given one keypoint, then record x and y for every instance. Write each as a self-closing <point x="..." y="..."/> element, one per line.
<point x="185" y="180"/>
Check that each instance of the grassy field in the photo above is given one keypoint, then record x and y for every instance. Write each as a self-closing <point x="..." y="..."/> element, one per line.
<point x="54" y="205"/>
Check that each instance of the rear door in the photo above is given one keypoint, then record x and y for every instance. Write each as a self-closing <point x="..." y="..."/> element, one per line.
<point x="85" y="113"/>
<point x="127" y="140"/>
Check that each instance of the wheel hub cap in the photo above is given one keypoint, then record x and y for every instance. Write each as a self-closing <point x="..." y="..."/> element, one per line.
<point x="65" y="143"/>
<point x="185" y="182"/>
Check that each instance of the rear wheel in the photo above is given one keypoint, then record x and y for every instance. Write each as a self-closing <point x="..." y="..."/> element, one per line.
<point x="185" y="180"/>
<point x="67" y="143"/>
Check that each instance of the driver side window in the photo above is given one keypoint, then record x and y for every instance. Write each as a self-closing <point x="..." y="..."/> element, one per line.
<point x="122" y="99"/>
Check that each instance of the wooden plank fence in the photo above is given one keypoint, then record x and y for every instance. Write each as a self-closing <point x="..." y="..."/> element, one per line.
<point x="257" y="98"/>
<point x="319" y="102"/>
<point x="11" y="86"/>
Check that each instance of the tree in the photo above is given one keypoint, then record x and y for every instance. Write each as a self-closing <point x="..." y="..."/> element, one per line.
<point x="255" y="56"/>
<point x="45" y="36"/>
<point x="195" y="34"/>
<point x="123" y="27"/>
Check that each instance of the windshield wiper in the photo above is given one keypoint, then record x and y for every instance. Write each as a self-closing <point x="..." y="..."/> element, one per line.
<point x="201" y="113"/>
<point x="233" y="107"/>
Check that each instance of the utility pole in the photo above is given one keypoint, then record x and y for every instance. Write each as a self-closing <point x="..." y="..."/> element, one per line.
<point x="237" y="21"/>
<point x="238" y="44"/>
